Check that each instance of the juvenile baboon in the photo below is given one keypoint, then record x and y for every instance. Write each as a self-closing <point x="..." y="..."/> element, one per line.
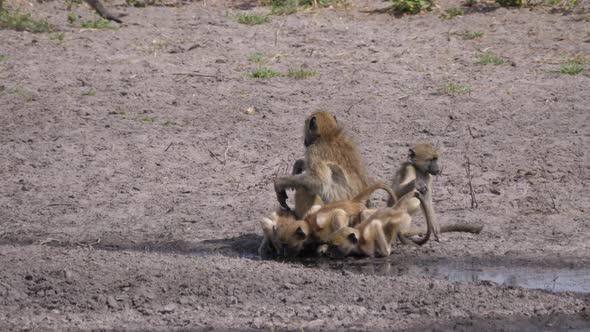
<point x="334" y="169"/>
<point x="417" y="174"/>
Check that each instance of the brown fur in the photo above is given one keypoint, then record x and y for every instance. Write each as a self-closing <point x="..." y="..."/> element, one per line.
<point x="373" y="236"/>
<point x="292" y="235"/>
<point x="416" y="175"/>
<point x="376" y="233"/>
<point x="304" y="199"/>
<point x="334" y="169"/>
<point x="283" y="233"/>
<point x="333" y="216"/>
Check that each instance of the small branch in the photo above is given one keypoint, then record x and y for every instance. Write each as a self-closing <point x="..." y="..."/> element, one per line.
<point x="213" y="155"/>
<point x="168" y="147"/>
<point x="470" y="132"/>
<point x="353" y="105"/>
<point x="277" y="33"/>
<point x="450" y="123"/>
<point x="197" y="75"/>
<point x="474" y="203"/>
<point x="225" y="153"/>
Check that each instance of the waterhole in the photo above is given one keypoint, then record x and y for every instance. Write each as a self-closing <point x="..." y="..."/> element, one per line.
<point x="552" y="274"/>
<point x="554" y="279"/>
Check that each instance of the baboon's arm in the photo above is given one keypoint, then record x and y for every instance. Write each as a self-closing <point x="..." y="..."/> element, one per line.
<point x="403" y="190"/>
<point x="305" y="181"/>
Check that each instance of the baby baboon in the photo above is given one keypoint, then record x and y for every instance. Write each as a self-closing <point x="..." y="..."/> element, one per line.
<point x="376" y="233"/>
<point x="324" y="220"/>
<point x="416" y="174"/>
<point x="279" y="219"/>
<point x="334" y="169"/>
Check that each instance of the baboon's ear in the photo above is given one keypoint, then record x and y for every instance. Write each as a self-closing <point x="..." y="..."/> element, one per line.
<point x="267" y="225"/>
<point x="321" y="220"/>
<point x="313" y="126"/>
<point x="352" y="238"/>
<point x="300" y="234"/>
<point x="411" y="155"/>
<point x="313" y="209"/>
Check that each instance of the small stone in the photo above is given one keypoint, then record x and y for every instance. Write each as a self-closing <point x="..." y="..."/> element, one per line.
<point x="250" y="110"/>
<point x="68" y="274"/>
<point x="289" y="286"/>
<point x="111" y="302"/>
<point x="169" y="308"/>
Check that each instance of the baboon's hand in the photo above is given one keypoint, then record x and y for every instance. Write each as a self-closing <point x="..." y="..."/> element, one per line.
<point x="282" y="197"/>
<point x="422" y="187"/>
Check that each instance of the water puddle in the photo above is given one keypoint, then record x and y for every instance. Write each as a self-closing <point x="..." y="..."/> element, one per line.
<point x="554" y="279"/>
<point x="555" y="275"/>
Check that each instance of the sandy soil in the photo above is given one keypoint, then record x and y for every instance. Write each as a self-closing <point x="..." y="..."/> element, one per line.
<point x="132" y="181"/>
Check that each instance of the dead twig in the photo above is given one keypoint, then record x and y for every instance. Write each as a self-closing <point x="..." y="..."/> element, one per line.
<point x="449" y="125"/>
<point x="225" y="154"/>
<point x="353" y="105"/>
<point x="281" y="169"/>
<point x="168" y="147"/>
<point x="213" y="155"/>
<point x="474" y="203"/>
<point x="553" y="204"/>
<point x="277" y="33"/>
<point x="470" y="132"/>
<point x="196" y="75"/>
<point x="88" y="245"/>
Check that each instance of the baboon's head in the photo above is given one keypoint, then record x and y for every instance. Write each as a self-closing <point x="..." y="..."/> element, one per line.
<point x="425" y="158"/>
<point x="287" y="234"/>
<point x="293" y="237"/>
<point x="317" y="125"/>
<point x="343" y="242"/>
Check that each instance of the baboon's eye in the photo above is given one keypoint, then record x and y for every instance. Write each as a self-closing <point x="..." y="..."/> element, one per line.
<point x="352" y="238"/>
<point x="300" y="234"/>
<point x="313" y="124"/>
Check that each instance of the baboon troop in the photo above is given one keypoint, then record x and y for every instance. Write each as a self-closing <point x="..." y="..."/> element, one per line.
<point x="331" y="214"/>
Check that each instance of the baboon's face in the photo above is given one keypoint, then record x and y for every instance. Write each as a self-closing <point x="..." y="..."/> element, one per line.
<point x="292" y="237"/>
<point x="316" y="124"/>
<point x="425" y="158"/>
<point x="343" y="242"/>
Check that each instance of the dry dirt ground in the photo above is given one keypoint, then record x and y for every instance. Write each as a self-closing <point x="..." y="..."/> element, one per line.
<point x="132" y="179"/>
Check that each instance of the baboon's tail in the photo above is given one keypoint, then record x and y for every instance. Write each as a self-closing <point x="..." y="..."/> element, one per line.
<point x="102" y="11"/>
<point x="475" y="229"/>
<point x="364" y="195"/>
